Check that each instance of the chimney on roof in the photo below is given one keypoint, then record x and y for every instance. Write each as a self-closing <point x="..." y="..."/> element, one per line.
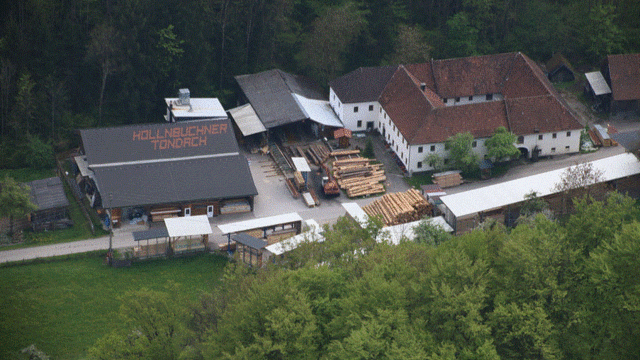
<point x="423" y="86"/>
<point x="184" y="97"/>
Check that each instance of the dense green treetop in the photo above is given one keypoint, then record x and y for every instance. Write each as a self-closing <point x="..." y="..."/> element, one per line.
<point x="531" y="292"/>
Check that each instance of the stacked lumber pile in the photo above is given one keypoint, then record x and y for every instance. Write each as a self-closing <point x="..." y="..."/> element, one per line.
<point x="344" y="154"/>
<point x="399" y="208"/>
<point x="358" y="177"/>
<point x="314" y="153"/>
<point x="447" y="179"/>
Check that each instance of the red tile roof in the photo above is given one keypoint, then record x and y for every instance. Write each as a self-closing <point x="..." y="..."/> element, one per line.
<point x="530" y="102"/>
<point x="624" y="71"/>
<point x="543" y="114"/>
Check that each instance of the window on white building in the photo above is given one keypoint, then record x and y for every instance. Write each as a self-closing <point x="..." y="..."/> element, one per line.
<point x="567" y="147"/>
<point x="554" y="135"/>
<point x="359" y="123"/>
<point x="539" y="137"/>
<point x="489" y="97"/>
<point x="355" y="109"/>
<point x="474" y="144"/>
<point x="553" y="150"/>
<point x="470" y="98"/>
<point x="444" y="101"/>
<point x="457" y="99"/>
<point x="419" y="164"/>
<point x="520" y="139"/>
<point x="370" y="107"/>
<point x="433" y="148"/>
<point x="568" y="133"/>
<point x="419" y="149"/>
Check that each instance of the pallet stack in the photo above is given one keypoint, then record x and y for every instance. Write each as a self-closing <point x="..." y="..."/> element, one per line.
<point x="399" y="208"/>
<point x="358" y="177"/>
<point x="447" y="179"/>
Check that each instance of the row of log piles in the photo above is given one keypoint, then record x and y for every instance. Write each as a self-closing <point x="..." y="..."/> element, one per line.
<point x="399" y="208"/>
<point x="356" y="175"/>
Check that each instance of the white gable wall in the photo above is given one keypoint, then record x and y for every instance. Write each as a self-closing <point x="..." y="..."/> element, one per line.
<point x="355" y="120"/>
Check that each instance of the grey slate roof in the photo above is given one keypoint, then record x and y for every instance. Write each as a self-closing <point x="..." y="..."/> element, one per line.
<point x="158" y="141"/>
<point x="175" y="181"/>
<point x="362" y="85"/>
<point x="249" y="241"/>
<point x="271" y="95"/>
<point x="48" y="193"/>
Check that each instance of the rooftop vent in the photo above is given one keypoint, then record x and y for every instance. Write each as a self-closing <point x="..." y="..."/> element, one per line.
<point x="184" y="97"/>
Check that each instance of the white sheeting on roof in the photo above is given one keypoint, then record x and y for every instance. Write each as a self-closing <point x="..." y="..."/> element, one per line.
<point x="355" y="211"/>
<point x="394" y="234"/>
<point x="83" y="166"/>
<point x="199" y="107"/>
<point x="301" y="164"/>
<point x="259" y="223"/>
<point x="247" y="120"/>
<point x="313" y="235"/>
<point x="319" y="111"/>
<point x="188" y="226"/>
<point x="511" y="192"/>
<point x="597" y="82"/>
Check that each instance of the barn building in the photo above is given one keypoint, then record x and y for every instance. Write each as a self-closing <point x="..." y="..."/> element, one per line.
<point x="52" y="205"/>
<point x="165" y="170"/>
<point x="465" y="210"/>
<point x="417" y="107"/>
<point x="623" y="74"/>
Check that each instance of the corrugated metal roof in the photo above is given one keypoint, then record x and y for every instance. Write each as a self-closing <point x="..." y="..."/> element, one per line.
<point x="199" y="108"/>
<point x="249" y="241"/>
<point x="313" y="235"/>
<point x="301" y="164"/>
<point x="355" y="211"/>
<point x="259" y="223"/>
<point x="271" y="96"/>
<point x="511" y="192"/>
<point x="598" y="83"/>
<point x="175" y="181"/>
<point x="248" y="122"/>
<point x="155" y="233"/>
<point x="48" y="193"/>
<point x="188" y="226"/>
<point x="318" y="111"/>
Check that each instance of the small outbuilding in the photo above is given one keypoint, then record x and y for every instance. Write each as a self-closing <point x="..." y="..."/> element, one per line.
<point x="53" y="206"/>
<point x="342" y="135"/>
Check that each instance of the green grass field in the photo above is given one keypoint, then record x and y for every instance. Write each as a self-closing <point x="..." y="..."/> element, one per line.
<point x="65" y="306"/>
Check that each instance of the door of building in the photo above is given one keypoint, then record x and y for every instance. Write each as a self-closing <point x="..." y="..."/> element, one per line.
<point x="209" y="210"/>
<point x="187" y="211"/>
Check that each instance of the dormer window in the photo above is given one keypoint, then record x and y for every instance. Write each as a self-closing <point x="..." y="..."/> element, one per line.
<point x="489" y="97"/>
<point x="457" y="99"/>
<point x="444" y="101"/>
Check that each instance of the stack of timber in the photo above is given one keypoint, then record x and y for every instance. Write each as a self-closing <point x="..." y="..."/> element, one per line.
<point x="344" y="154"/>
<point x="447" y="179"/>
<point x="399" y="208"/>
<point x="314" y="153"/>
<point x="358" y="177"/>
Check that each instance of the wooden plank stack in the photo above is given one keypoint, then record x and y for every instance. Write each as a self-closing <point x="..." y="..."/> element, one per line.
<point x="399" y="208"/>
<point x="314" y="153"/>
<point x="447" y="179"/>
<point x="358" y="177"/>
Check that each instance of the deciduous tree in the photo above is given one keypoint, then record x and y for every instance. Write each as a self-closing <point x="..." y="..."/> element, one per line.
<point x="460" y="152"/>
<point x="501" y="145"/>
<point x="15" y="201"/>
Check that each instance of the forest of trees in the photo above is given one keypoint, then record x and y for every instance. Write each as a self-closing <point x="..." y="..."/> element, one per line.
<point x="73" y="64"/>
<point x="543" y="290"/>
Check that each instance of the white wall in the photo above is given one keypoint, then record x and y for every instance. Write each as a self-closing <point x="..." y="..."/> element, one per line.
<point x="367" y="112"/>
<point x="549" y="145"/>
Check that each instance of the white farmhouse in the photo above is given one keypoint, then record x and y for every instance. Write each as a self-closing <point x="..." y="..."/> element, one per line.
<point x="417" y="107"/>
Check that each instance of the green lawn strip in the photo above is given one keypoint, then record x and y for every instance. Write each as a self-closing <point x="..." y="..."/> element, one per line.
<point x="419" y="179"/>
<point x="27" y="174"/>
<point x="65" y="306"/>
